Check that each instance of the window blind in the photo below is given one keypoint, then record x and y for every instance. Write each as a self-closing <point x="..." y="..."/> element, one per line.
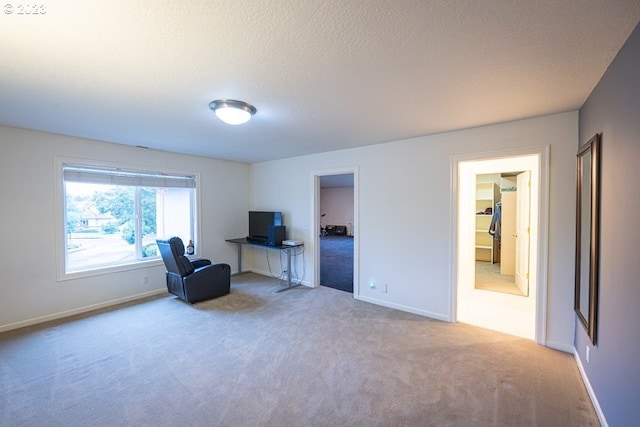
<point x="117" y="176"/>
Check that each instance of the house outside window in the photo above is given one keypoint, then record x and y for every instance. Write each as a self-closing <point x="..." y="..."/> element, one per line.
<point x="113" y="216"/>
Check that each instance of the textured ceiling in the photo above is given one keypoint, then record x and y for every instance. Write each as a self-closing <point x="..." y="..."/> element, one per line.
<point x="324" y="75"/>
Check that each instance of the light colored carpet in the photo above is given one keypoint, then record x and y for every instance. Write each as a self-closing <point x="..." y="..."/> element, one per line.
<point x="304" y="357"/>
<point x="488" y="277"/>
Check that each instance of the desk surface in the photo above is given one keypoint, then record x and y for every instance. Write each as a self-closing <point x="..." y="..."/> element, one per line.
<point x="244" y="241"/>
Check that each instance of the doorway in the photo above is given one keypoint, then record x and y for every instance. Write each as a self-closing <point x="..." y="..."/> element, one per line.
<point x="336" y="232"/>
<point x="501" y="236"/>
<point x="335" y="229"/>
<point x="522" y="315"/>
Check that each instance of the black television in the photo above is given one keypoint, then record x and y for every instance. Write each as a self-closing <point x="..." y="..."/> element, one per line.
<point x="266" y="228"/>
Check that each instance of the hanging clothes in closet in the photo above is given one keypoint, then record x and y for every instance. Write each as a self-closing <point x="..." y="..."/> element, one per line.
<point x="494" y="228"/>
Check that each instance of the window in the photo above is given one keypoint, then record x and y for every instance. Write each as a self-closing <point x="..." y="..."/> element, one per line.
<point x="112" y="216"/>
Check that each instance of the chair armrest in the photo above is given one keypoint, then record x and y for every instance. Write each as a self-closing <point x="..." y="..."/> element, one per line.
<point x="210" y="272"/>
<point x="199" y="262"/>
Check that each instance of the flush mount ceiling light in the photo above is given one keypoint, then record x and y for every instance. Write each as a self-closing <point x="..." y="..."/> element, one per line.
<point x="231" y="111"/>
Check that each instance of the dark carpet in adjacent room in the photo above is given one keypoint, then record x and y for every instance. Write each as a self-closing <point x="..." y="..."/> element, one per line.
<point x="336" y="262"/>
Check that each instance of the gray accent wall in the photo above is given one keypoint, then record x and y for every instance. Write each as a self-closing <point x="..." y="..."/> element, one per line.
<point x="613" y="109"/>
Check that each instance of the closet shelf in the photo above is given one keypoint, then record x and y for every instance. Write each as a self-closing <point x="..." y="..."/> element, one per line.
<point x="487" y="195"/>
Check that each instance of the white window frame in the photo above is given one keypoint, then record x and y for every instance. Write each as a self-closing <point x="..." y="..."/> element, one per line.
<point x="60" y="216"/>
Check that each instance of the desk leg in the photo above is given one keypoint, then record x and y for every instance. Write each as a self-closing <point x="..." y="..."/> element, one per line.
<point x="288" y="268"/>
<point x="239" y="259"/>
<point x="289" y="285"/>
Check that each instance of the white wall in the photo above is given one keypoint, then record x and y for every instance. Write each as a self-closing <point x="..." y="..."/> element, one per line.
<point x="28" y="287"/>
<point x="405" y="212"/>
<point x="404" y="216"/>
<point x="337" y="202"/>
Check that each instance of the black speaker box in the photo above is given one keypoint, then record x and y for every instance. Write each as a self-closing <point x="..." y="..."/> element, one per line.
<point x="277" y="233"/>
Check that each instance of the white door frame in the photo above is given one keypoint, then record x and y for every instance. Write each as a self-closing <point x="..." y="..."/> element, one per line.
<point x="315" y="223"/>
<point x="542" y="153"/>
<point x="523" y="218"/>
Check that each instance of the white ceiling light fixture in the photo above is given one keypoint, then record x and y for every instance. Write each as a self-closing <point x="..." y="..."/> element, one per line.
<point x="231" y="111"/>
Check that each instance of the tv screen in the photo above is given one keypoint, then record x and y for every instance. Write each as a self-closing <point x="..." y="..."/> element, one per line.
<point x="259" y="223"/>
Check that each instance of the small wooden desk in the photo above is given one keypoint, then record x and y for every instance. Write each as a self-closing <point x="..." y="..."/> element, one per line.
<point x="288" y="250"/>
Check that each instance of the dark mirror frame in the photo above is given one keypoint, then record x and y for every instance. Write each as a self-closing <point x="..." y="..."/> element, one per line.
<point x="588" y="235"/>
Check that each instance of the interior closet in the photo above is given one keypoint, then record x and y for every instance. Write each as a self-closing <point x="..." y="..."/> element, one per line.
<point x="495" y="234"/>
<point x="487" y="222"/>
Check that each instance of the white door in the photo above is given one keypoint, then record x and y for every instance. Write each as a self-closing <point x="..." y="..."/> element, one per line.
<point x="523" y="197"/>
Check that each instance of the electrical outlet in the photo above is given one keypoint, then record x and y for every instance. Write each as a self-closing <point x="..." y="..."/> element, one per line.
<point x="145" y="279"/>
<point x="384" y="288"/>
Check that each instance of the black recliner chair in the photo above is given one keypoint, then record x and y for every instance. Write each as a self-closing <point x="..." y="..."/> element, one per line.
<point x="196" y="280"/>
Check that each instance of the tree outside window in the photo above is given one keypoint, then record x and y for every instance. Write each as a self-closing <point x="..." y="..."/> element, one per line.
<point x="109" y="224"/>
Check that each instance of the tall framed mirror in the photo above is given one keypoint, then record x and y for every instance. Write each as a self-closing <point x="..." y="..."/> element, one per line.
<point x="587" y="235"/>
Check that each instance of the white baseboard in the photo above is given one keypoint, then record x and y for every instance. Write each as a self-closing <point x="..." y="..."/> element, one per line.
<point x="560" y="346"/>
<point x="401" y="307"/>
<point x="592" y="394"/>
<point x="80" y="310"/>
